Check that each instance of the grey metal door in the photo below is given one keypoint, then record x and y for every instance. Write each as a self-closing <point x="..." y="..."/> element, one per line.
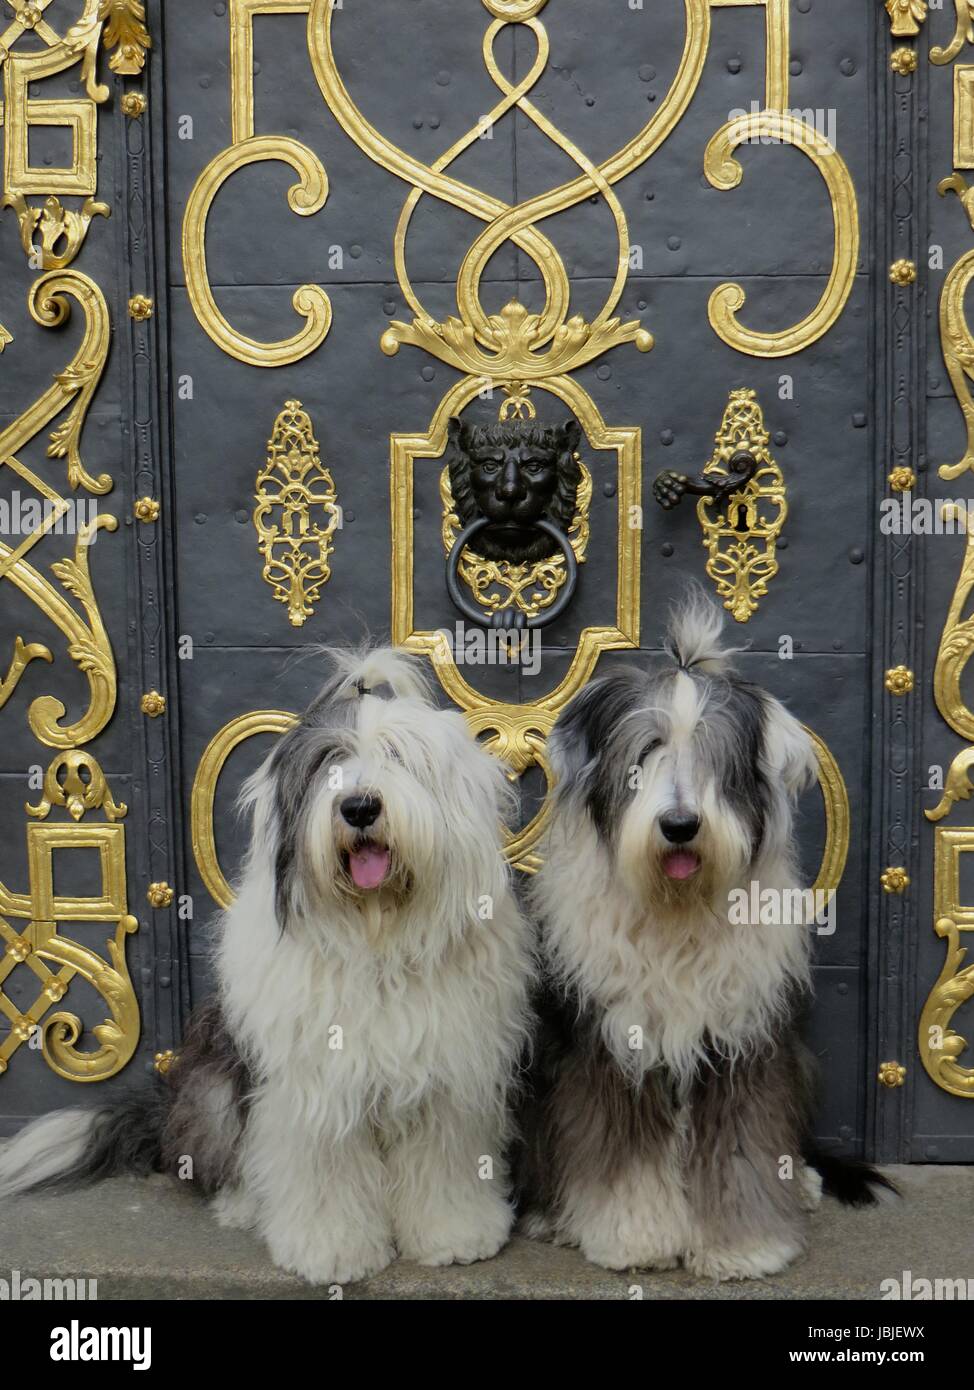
<point x="689" y="225"/>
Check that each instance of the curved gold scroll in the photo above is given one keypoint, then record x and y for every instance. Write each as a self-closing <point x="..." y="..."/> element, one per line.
<point x="725" y="172"/>
<point x="957" y="345"/>
<point x="835" y="799"/>
<point x="954" y="987"/>
<point x="118" y="1036"/>
<point x="957" y="638"/>
<point x="77" y="382"/>
<point x="219" y="748"/>
<point x="939" y="1045"/>
<point x="89" y="645"/>
<point x="958" y="786"/>
<point x="305" y="197"/>
<point x="963" y="31"/>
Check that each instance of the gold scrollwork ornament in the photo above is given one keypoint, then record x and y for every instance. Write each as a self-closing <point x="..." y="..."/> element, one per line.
<point x="61" y="231"/>
<point x="957" y="343"/>
<point x="82" y="787"/>
<point x="56" y="960"/>
<point x="957" y="639"/>
<point x="958" y="786"/>
<point x="89" y="645"/>
<point x="305" y="198"/>
<point x="963" y="32"/>
<point x="499" y="346"/>
<point x="114" y="23"/>
<point x="296" y="514"/>
<point x="939" y="1044"/>
<point x="125" y="32"/>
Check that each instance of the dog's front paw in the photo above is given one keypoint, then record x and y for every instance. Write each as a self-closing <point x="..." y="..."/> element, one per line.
<point x="637" y="1254"/>
<point x="809" y="1188"/>
<point x="465" y="1236"/>
<point x="235" y="1209"/>
<point x="326" y="1264"/>
<point x="755" y="1260"/>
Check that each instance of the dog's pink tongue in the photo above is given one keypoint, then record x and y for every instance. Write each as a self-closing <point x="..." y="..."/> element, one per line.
<point x="681" y="864"/>
<point x="369" y="866"/>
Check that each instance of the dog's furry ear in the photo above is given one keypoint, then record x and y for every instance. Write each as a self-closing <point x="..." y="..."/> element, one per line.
<point x="693" y="637"/>
<point x="586" y="725"/>
<point x="788" y="748"/>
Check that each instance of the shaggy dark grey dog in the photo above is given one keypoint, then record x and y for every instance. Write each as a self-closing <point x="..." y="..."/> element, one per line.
<point x="668" y="1111"/>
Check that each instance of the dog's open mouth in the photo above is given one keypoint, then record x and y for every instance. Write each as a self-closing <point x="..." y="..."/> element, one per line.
<point x="681" y="864"/>
<point x="369" y="865"/>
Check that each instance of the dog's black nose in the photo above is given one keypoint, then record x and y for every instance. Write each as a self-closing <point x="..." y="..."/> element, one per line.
<point x="360" y="811"/>
<point x="678" y="829"/>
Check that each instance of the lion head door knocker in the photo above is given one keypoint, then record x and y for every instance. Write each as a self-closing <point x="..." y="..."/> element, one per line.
<point x="515" y="520"/>
<point x="742" y="506"/>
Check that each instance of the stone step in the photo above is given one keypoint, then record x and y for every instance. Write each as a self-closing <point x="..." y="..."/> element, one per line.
<point x="151" y="1239"/>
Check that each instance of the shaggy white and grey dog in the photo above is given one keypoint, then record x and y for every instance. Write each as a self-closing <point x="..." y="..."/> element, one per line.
<point x="670" y="1091"/>
<point x="345" y="1093"/>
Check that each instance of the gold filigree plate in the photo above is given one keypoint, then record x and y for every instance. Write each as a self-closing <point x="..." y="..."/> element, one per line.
<point x="296" y="514"/>
<point x="497" y="584"/>
<point x="740" y="541"/>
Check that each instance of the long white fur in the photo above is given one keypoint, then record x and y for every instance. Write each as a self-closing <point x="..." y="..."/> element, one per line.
<point x="44" y="1149"/>
<point x="686" y="982"/>
<point x="383" y="1030"/>
<point x="382" y="1142"/>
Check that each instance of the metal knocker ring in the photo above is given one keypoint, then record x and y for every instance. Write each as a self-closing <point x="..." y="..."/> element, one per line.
<point x="510" y="617"/>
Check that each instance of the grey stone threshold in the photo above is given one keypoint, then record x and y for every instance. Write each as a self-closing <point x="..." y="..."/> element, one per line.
<point x="152" y="1240"/>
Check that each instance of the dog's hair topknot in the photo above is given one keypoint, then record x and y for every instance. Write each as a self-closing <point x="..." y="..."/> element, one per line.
<point x="693" y="637"/>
